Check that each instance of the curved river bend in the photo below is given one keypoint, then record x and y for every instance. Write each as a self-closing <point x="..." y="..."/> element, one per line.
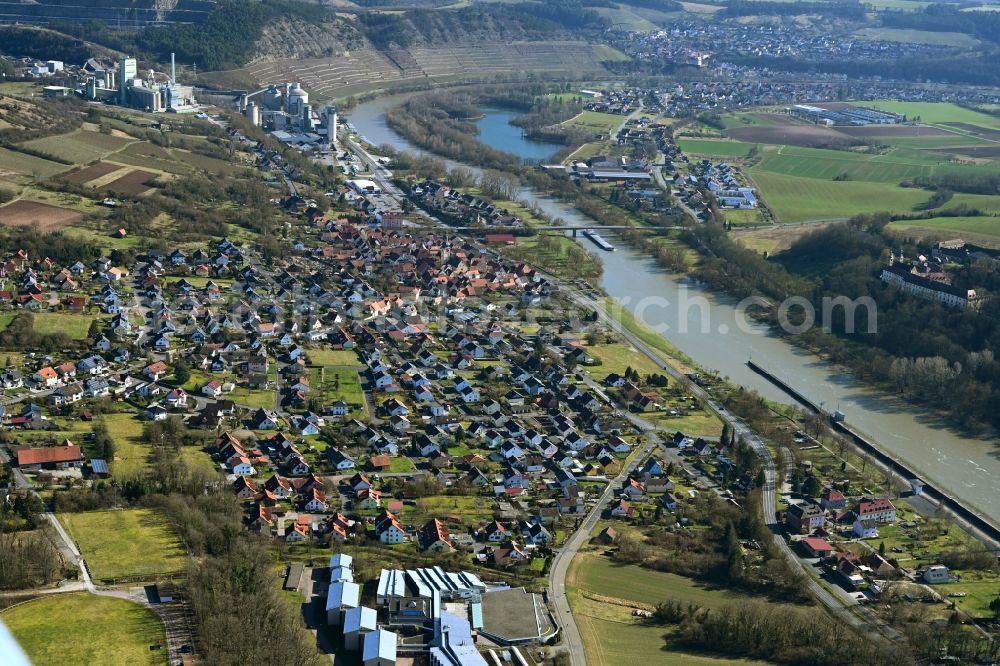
<point x="712" y="332"/>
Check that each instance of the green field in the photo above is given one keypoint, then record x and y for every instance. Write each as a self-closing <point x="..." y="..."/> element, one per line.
<point x="594" y="121"/>
<point x="617" y="357"/>
<point x="796" y="199"/>
<point x="917" y="37"/>
<point x="720" y="147"/>
<point x="118" y="544"/>
<point x="981" y="230"/>
<point x="744" y="217"/>
<point x="585" y="152"/>
<point x="936" y="112"/>
<point x="73" y="325"/>
<point x="596" y="587"/>
<point x="989" y="204"/>
<point x="648" y="336"/>
<point x="980" y="589"/>
<point x="149" y="156"/>
<point x="333" y="357"/>
<point x="892" y="167"/>
<point x="602" y="576"/>
<point x="905" y="5"/>
<point x="81" y="146"/>
<point x="254" y="397"/>
<point x="133" y="455"/>
<point x="950" y="143"/>
<point x="331" y="383"/>
<point x="27" y="166"/>
<point x="607" y="53"/>
<point x="699" y="422"/>
<point x="211" y="165"/>
<point x="81" y="628"/>
<point x="626" y="18"/>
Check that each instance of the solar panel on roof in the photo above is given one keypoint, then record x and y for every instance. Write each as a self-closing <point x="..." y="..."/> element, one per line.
<point x="99" y="466"/>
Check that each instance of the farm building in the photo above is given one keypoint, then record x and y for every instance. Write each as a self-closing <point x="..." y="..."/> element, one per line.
<point x="50" y="457"/>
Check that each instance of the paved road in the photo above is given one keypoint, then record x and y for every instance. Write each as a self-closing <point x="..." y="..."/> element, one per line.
<point x="560" y="564"/>
<point x="768" y="497"/>
<point x="175" y="617"/>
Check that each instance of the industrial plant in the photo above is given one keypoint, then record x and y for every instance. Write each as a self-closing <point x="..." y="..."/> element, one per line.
<point x="285" y="111"/>
<point x="125" y="86"/>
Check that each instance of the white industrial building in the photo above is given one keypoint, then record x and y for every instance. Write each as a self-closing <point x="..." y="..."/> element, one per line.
<point x="412" y="598"/>
<point x="341" y="597"/>
<point x="127" y="87"/>
<point x="379" y="648"/>
<point x="424" y="583"/>
<point x="358" y="622"/>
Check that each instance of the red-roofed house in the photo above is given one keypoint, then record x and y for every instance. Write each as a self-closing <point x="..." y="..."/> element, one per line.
<point x="434" y="537"/>
<point x="879" y="510"/>
<point x="50" y="457"/>
<point x="817" y="547"/>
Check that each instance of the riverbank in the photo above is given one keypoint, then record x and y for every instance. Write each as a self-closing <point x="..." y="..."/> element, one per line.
<point x="712" y="332"/>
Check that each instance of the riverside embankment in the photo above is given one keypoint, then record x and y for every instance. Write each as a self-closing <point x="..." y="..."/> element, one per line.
<point x="713" y="331"/>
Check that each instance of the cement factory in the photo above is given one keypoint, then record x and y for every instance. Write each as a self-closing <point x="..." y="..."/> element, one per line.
<point x="285" y="111"/>
<point x="125" y="86"/>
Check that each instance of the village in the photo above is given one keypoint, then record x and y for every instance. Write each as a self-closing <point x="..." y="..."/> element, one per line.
<point x="385" y="386"/>
<point x="423" y="426"/>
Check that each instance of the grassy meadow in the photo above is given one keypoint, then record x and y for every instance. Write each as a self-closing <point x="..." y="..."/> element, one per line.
<point x="81" y="628"/>
<point x="980" y="230"/>
<point x="801" y="183"/>
<point x="905" y="36"/>
<point x="937" y="113"/>
<point x="333" y="357"/>
<point x="602" y="595"/>
<point x="594" y="121"/>
<point x="118" y="544"/>
<point x="797" y="199"/>
<point x="715" y="147"/>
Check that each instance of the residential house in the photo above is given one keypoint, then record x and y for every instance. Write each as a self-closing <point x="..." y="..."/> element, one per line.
<point x="805" y="517"/>
<point x="389" y="530"/>
<point x="622" y="509"/>
<point x="879" y="510"/>
<point x="494" y="531"/>
<point x="833" y="500"/>
<point x="865" y="529"/>
<point x="434" y="537"/>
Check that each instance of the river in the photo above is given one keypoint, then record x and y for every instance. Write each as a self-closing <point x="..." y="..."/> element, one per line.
<point x="496" y="131"/>
<point x="711" y="330"/>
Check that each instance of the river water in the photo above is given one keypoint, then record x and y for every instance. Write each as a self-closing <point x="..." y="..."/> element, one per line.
<point x="713" y="332"/>
<point x="496" y="131"/>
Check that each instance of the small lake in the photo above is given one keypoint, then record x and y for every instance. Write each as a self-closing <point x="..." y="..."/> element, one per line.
<point x="496" y="132"/>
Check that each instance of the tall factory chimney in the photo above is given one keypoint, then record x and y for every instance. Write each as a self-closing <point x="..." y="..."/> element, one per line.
<point x="173" y="69"/>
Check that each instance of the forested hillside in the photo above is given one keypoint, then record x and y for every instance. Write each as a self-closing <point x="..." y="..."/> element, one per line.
<point x="939" y="356"/>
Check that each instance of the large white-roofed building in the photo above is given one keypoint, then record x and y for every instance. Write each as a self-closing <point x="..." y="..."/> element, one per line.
<point x="379" y="648"/>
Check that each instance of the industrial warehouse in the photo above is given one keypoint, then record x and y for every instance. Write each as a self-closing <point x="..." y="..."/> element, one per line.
<point x="845" y="115"/>
<point x="428" y="611"/>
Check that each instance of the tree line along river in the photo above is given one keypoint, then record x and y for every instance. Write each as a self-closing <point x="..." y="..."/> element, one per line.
<point x="712" y="331"/>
